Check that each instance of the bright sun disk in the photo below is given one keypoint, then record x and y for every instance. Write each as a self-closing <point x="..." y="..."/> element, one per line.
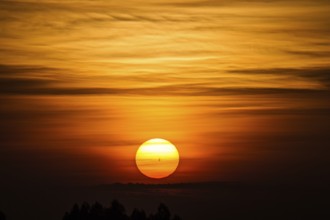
<point x="157" y="158"/>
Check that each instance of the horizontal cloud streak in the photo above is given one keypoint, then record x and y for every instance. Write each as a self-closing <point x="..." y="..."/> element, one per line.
<point x="321" y="74"/>
<point x="36" y="80"/>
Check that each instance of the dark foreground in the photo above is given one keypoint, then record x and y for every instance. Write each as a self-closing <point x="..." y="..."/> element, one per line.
<point x="191" y="201"/>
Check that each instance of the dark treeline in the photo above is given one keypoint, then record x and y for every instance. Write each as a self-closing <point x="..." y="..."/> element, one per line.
<point x="116" y="211"/>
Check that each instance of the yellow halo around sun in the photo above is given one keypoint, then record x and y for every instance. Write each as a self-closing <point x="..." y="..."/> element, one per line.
<point x="157" y="158"/>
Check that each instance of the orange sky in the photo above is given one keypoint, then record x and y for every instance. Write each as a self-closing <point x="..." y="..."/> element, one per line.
<point x="228" y="82"/>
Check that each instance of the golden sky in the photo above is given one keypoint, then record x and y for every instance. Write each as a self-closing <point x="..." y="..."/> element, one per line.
<point x="235" y="85"/>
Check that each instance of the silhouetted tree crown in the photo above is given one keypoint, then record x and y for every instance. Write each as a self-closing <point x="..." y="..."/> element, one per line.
<point x="115" y="212"/>
<point x="138" y="215"/>
<point x="162" y="214"/>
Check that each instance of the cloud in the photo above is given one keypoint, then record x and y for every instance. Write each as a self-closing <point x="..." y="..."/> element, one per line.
<point x="311" y="54"/>
<point x="221" y="3"/>
<point x="204" y="3"/>
<point x="20" y="78"/>
<point x="321" y="74"/>
<point x="39" y="80"/>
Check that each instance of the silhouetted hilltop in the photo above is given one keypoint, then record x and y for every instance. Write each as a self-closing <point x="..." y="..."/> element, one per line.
<point x="116" y="211"/>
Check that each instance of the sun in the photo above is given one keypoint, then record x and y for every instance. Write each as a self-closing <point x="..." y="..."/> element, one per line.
<point x="157" y="158"/>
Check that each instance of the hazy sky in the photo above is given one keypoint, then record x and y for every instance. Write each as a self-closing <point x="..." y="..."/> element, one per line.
<point x="240" y="87"/>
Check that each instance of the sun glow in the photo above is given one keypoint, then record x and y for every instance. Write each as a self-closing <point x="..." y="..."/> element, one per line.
<point x="157" y="158"/>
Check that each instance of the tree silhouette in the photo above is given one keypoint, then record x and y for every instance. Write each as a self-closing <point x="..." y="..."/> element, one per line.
<point x="74" y="214"/>
<point x="97" y="212"/>
<point x="138" y="215"/>
<point x="84" y="211"/>
<point x="115" y="212"/>
<point x="163" y="213"/>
